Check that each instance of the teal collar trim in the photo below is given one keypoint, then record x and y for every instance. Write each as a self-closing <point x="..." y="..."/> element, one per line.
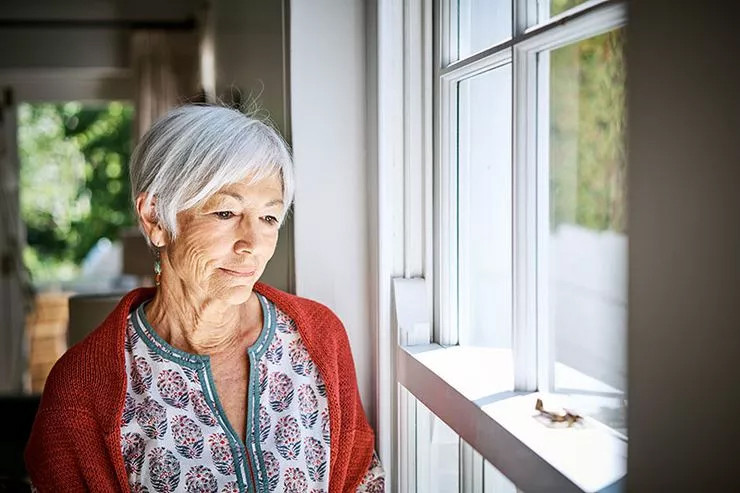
<point x="269" y="322"/>
<point x="161" y="347"/>
<point x="157" y="344"/>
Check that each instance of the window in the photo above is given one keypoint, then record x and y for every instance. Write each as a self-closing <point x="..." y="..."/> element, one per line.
<point x="484" y="209"/>
<point x="478" y="24"/>
<point x="443" y="462"/>
<point x="587" y="237"/>
<point x="514" y="110"/>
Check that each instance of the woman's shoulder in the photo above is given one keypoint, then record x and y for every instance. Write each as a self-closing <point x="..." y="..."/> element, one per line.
<point x="91" y="372"/>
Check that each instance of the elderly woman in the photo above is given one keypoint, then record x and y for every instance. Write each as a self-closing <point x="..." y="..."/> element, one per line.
<point x="212" y="381"/>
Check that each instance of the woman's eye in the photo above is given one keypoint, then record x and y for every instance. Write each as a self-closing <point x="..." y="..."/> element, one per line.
<point x="224" y="214"/>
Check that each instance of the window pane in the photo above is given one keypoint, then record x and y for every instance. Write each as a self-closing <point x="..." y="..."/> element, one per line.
<point x="437" y="453"/>
<point x="478" y="475"/>
<point x="588" y="224"/>
<point x="481" y="24"/>
<point x="560" y="6"/>
<point x="494" y="481"/>
<point x="485" y="209"/>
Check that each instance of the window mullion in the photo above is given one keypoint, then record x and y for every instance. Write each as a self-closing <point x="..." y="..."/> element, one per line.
<point x="407" y="425"/>
<point x="447" y="285"/>
<point x="525" y="221"/>
<point x="463" y="206"/>
<point x="449" y="30"/>
<point x="471" y="469"/>
<point x="524" y="14"/>
<point x="413" y="138"/>
<point x="545" y="341"/>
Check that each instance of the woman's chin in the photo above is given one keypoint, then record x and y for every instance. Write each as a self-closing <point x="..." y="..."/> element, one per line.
<point x="236" y="295"/>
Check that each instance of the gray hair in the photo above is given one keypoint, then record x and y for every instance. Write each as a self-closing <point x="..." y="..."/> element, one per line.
<point x="195" y="150"/>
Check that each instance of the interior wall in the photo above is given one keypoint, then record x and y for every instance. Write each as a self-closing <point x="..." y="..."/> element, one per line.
<point x="684" y="262"/>
<point x="68" y="85"/>
<point x="63" y="47"/>
<point x="329" y="122"/>
<point x="65" y="63"/>
<point x="80" y="10"/>
<point x="247" y="42"/>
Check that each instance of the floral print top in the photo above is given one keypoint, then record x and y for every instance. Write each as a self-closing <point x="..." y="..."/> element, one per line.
<point x="175" y="435"/>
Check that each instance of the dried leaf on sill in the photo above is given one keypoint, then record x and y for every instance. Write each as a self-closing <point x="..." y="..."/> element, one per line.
<point x="561" y="418"/>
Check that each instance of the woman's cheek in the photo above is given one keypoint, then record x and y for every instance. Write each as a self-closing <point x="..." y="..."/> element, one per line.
<point x="193" y="253"/>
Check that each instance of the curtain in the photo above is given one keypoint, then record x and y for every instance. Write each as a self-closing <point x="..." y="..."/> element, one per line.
<point x="165" y="73"/>
<point x="16" y="293"/>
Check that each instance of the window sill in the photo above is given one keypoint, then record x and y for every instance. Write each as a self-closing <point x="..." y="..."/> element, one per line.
<point x="471" y="389"/>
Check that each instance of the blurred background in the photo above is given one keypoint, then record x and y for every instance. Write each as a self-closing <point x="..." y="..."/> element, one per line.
<point x="80" y="82"/>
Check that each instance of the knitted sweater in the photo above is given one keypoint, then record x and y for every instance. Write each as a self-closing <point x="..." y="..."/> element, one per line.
<point x="75" y="443"/>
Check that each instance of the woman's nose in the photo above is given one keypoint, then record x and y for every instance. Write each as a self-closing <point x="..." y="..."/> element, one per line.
<point x="247" y="237"/>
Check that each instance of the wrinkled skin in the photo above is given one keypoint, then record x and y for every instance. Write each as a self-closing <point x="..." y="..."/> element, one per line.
<point x="202" y="303"/>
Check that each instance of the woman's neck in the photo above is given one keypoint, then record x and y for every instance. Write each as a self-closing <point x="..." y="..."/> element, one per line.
<point x="195" y="323"/>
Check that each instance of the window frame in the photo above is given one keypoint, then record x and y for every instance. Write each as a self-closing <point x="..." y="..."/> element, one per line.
<point x="415" y="158"/>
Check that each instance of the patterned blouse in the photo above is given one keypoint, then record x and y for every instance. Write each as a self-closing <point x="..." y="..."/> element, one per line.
<point x="174" y="431"/>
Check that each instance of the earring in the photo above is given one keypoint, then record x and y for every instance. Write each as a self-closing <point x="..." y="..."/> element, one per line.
<point x="157" y="266"/>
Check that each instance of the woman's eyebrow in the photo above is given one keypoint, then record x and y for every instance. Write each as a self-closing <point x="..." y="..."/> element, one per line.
<point x="241" y="199"/>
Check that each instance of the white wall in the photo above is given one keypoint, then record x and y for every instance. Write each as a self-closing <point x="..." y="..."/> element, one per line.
<point x="684" y="230"/>
<point x="328" y="93"/>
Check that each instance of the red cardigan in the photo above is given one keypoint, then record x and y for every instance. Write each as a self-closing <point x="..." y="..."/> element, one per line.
<point x="75" y="442"/>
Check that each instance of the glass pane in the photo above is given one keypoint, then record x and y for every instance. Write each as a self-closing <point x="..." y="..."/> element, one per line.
<point x="481" y="24"/>
<point x="560" y="6"/>
<point x="478" y="475"/>
<point x="588" y="224"/>
<point x="495" y="482"/>
<point x="485" y="209"/>
<point x="437" y="453"/>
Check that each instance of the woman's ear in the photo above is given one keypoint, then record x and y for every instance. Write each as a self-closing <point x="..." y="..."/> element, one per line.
<point x="148" y="219"/>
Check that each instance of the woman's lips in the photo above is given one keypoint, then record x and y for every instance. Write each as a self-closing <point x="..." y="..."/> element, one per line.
<point x="238" y="273"/>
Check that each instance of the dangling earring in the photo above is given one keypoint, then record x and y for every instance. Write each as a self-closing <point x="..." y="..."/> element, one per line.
<point x="157" y="266"/>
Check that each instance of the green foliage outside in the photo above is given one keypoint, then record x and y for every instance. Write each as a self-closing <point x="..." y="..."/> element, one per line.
<point x="560" y="6"/>
<point x="588" y="164"/>
<point x="74" y="182"/>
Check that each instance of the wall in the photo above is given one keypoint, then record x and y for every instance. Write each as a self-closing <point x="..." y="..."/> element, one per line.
<point x="684" y="265"/>
<point x="70" y="63"/>
<point x="328" y="93"/>
<point x="75" y="49"/>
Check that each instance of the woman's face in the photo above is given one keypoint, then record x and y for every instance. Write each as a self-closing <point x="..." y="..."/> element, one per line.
<point x="225" y="243"/>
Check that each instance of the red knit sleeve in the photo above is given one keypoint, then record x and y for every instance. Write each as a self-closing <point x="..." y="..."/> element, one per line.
<point x="374" y="480"/>
<point x="59" y="450"/>
<point x="362" y="454"/>
<point x="68" y="450"/>
<point x="357" y="451"/>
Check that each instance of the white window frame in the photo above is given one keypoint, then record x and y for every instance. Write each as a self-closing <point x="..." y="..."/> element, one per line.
<point x="415" y="83"/>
